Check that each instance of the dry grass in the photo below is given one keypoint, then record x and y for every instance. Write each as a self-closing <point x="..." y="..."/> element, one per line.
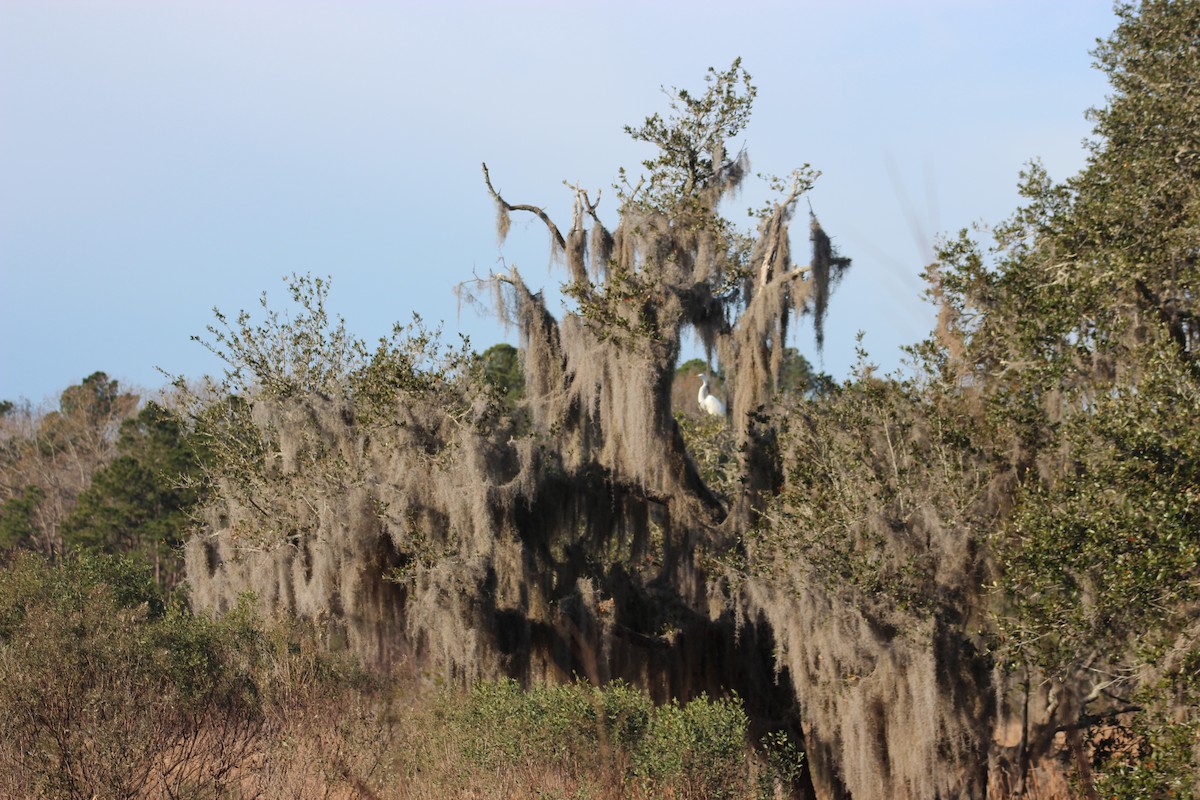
<point x="400" y="746"/>
<point x="416" y="741"/>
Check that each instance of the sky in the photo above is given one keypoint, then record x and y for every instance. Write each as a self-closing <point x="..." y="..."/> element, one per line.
<point x="159" y="158"/>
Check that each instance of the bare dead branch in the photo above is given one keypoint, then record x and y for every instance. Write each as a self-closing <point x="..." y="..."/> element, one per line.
<point x="540" y="213"/>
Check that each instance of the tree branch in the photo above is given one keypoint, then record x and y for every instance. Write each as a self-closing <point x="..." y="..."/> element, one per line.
<point x="554" y="232"/>
<point x="1088" y="720"/>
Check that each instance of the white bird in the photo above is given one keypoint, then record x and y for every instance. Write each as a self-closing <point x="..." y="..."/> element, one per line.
<point x="709" y="401"/>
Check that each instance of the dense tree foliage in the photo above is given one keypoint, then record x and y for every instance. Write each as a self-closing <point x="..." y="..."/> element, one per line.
<point x="1069" y="343"/>
<point x="18" y="518"/>
<point x="502" y="370"/>
<point x="142" y="502"/>
<point x="1035" y="483"/>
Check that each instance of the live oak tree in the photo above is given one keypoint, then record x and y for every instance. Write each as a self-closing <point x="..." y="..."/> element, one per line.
<point x="400" y="495"/>
<point x="1072" y="341"/>
<point x="672" y="265"/>
<point x="931" y="576"/>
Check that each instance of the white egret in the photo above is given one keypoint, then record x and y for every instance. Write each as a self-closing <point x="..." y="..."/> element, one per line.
<point x="709" y="401"/>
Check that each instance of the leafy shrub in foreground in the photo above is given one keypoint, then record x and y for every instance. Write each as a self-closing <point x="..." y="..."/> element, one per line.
<point x="695" y="749"/>
<point x="107" y="691"/>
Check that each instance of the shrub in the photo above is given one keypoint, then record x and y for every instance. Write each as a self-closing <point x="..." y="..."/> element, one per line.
<point x="108" y="691"/>
<point x="614" y="734"/>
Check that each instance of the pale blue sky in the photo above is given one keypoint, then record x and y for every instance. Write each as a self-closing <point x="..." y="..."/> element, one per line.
<point x="158" y="158"/>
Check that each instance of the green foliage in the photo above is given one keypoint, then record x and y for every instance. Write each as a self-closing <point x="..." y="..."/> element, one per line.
<point x="47" y="459"/>
<point x="306" y="352"/>
<point x="232" y="450"/>
<point x="1139" y="200"/>
<point x="284" y="356"/>
<point x="1077" y="276"/>
<point x="631" y="297"/>
<point x="624" y="307"/>
<point x="711" y="443"/>
<point x="784" y="763"/>
<point x="96" y="398"/>
<point x="504" y="724"/>
<point x="18" y="527"/>
<point x="502" y="371"/>
<point x="880" y="482"/>
<point x="1155" y="755"/>
<point x="798" y="378"/>
<point x="1107" y="554"/>
<point x="709" y="439"/>
<point x="697" y="747"/>
<point x="1071" y="342"/>
<point x="412" y="363"/>
<point x="142" y="502"/>
<point x="306" y="359"/>
<point x="692" y="367"/>
<point x="692" y="750"/>
<point x="88" y="414"/>
<point x="690" y="140"/>
<point x="1077" y="332"/>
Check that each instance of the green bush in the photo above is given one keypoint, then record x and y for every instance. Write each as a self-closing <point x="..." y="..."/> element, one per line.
<point x="697" y="749"/>
<point x="563" y="725"/>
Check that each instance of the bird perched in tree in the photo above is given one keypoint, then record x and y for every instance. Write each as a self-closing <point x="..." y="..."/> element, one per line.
<point x="709" y="401"/>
